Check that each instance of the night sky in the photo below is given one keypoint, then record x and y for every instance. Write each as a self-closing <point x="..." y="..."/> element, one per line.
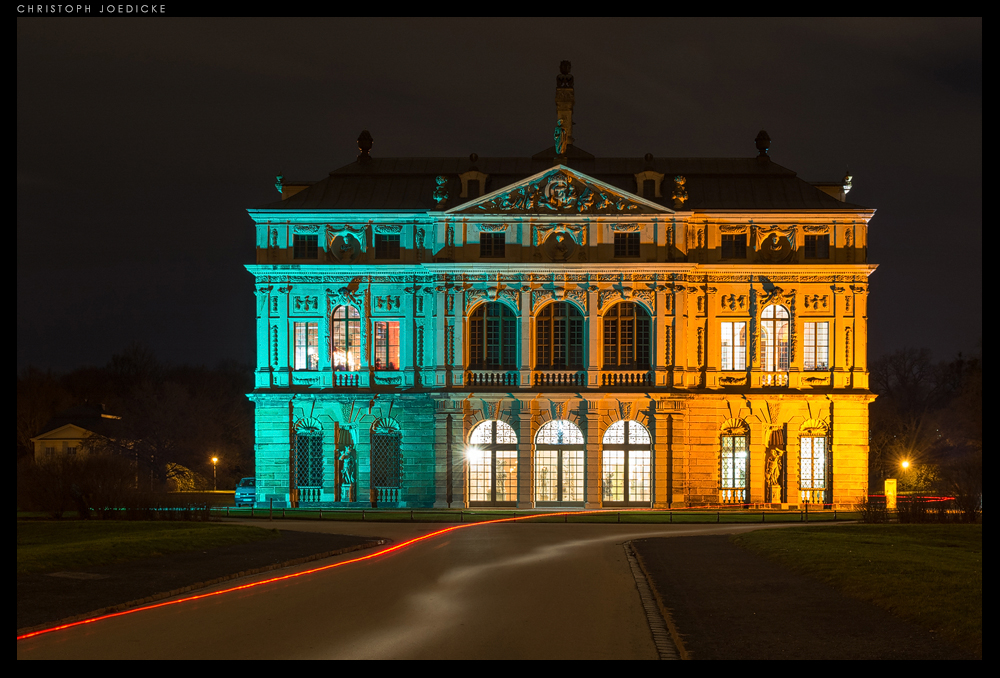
<point x="142" y="142"/>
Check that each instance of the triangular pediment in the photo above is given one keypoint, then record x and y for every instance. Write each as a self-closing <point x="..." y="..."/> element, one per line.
<point x="560" y="190"/>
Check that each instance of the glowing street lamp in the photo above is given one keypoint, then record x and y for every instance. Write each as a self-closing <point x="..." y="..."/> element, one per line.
<point x="215" y="463"/>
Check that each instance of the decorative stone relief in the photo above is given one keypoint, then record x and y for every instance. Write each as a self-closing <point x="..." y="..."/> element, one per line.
<point x="816" y="228"/>
<point x="558" y="191"/>
<point x="733" y="302"/>
<point x="559" y="247"/>
<point x="668" y="341"/>
<point x="493" y="228"/>
<point x="305" y="304"/>
<point x="274" y="238"/>
<point x="306" y="228"/>
<point x="815" y="301"/>
<point x="647" y="298"/>
<point x="388" y="229"/>
<point x="733" y="381"/>
<point x="344" y="246"/>
<point x="734" y="228"/>
<point x="440" y="191"/>
<point x="701" y="346"/>
<point x="274" y="341"/>
<point x="579" y="297"/>
<point x="625" y="227"/>
<point x="541" y="232"/>
<point x="775" y="245"/>
<point x="847" y="347"/>
<point x="388" y="381"/>
<point x="388" y="302"/>
<point x="680" y="195"/>
<point x="420" y="235"/>
<point x="539" y="297"/>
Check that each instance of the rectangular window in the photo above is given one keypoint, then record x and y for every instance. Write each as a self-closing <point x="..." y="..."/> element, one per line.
<point x="473" y="188"/>
<point x="626" y="244"/>
<point x="307" y="346"/>
<point x="386" y="246"/>
<point x="733" y="471"/>
<point x="492" y="245"/>
<point x="734" y="346"/>
<point x="734" y="246"/>
<point x="648" y="188"/>
<point x="309" y="459"/>
<point x="817" y="346"/>
<point x="387" y="346"/>
<point x="305" y="247"/>
<point x="817" y="247"/>
<point x="813" y="468"/>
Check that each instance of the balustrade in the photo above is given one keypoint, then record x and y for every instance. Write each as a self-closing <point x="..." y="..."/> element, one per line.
<point x="779" y="379"/>
<point x="346" y="379"/>
<point x="491" y="378"/>
<point x="309" y="494"/>
<point x="387" y="495"/>
<point x="630" y="378"/>
<point x="558" y="378"/>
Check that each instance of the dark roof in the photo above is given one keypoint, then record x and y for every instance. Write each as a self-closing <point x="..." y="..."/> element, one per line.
<point x="712" y="183"/>
<point x="86" y="416"/>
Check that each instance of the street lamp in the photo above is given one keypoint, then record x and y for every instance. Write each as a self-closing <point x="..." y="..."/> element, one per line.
<point x="215" y="464"/>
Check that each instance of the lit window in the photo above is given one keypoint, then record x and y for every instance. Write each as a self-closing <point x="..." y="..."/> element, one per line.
<point x="734" y="346"/>
<point x="734" y="246"/>
<point x="627" y="337"/>
<point x="817" y="247"/>
<point x="817" y="346"/>
<point x="305" y="247"/>
<point x="559" y="462"/>
<point x="306" y="346"/>
<point x="386" y="246"/>
<point x="733" y="471"/>
<point x="626" y="245"/>
<point x="492" y="245"/>
<point x="492" y="456"/>
<point x="387" y="346"/>
<point x="813" y="469"/>
<point x="345" y="326"/>
<point x="559" y="337"/>
<point x="774" y="338"/>
<point x="493" y="337"/>
<point x="626" y="454"/>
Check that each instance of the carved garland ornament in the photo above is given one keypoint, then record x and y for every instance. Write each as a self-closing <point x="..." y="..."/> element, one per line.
<point x="557" y="191"/>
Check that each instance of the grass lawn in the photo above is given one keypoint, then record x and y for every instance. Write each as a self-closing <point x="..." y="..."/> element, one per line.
<point x="929" y="574"/>
<point x="52" y="546"/>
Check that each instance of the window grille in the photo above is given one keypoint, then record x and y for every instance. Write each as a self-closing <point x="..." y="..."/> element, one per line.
<point x="309" y="459"/>
<point x="305" y="246"/>
<point x="493" y="337"/>
<point x="814" y="469"/>
<point x="627" y="337"/>
<point x="386" y="460"/>
<point x="559" y="337"/>
<point x="734" y="462"/>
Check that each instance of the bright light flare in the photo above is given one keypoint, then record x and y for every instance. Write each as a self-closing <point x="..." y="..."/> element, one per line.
<point x="906" y="464"/>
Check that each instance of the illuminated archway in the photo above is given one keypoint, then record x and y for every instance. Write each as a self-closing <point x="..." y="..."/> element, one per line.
<point x="625" y="477"/>
<point x="492" y="457"/>
<point x="560" y="460"/>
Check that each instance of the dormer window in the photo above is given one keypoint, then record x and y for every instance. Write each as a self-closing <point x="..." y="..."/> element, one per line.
<point x="473" y="184"/>
<point x="649" y="184"/>
<point x="305" y="246"/>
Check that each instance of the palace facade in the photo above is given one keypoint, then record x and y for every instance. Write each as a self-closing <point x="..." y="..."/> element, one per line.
<point x="561" y="330"/>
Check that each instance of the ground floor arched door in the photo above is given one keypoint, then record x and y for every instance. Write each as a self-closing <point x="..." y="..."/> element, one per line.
<point x="492" y="457"/>
<point x="560" y="462"/>
<point x="625" y="470"/>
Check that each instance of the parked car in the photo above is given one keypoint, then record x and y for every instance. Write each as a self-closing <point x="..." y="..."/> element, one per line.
<point x="246" y="492"/>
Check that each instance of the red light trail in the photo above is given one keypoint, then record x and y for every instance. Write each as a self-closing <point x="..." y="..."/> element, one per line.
<point x="383" y="552"/>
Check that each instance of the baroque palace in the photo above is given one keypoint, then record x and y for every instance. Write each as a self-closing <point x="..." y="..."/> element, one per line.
<point x="561" y="330"/>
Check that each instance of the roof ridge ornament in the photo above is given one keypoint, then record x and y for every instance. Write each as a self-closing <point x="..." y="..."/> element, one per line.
<point x="763" y="143"/>
<point x="365" y="146"/>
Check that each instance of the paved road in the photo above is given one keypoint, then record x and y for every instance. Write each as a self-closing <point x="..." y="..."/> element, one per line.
<point x="515" y="590"/>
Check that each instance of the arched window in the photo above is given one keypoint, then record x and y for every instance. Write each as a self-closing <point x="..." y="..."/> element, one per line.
<point x="734" y="466"/>
<point x="559" y="337"/>
<point x="493" y="337"/>
<point x="559" y="462"/>
<point x="774" y="339"/>
<point x="492" y="455"/>
<point x="386" y="462"/>
<point x="626" y="451"/>
<point x="627" y="337"/>
<point x="345" y="332"/>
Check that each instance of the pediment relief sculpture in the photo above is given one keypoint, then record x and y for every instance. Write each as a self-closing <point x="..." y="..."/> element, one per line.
<point x="562" y="191"/>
